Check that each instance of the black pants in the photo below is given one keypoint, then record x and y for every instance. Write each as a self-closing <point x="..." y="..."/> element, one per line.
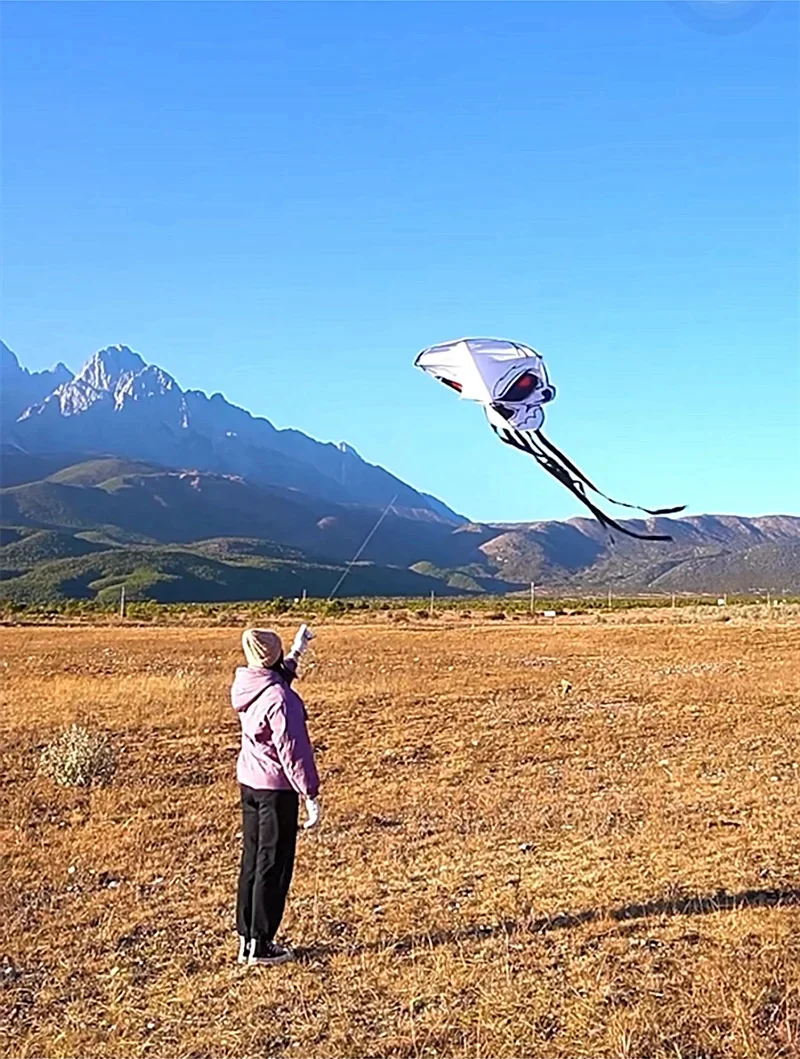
<point x="269" y="837"/>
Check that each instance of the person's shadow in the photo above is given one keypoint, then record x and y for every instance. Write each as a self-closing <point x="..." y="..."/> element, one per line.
<point x="690" y="905"/>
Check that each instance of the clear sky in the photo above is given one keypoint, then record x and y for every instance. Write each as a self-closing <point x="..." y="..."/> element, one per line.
<point x="285" y="202"/>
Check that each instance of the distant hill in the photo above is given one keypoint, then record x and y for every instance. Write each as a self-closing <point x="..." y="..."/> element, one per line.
<point x="170" y="575"/>
<point x="708" y="553"/>
<point x="764" y="567"/>
<point x="86" y="528"/>
<point x="44" y="546"/>
<point x="150" y="504"/>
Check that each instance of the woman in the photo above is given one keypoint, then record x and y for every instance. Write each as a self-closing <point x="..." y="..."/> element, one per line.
<point x="275" y="769"/>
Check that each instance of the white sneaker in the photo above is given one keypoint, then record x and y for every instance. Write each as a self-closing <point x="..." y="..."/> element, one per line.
<point x="244" y="949"/>
<point x="268" y="954"/>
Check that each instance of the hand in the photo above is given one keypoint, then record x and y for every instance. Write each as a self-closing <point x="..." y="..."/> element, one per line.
<point x="301" y="641"/>
<point x="314" y="812"/>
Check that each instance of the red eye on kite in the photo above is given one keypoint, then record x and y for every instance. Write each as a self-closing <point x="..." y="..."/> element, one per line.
<point x="452" y="384"/>
<point x="521" y="388"/>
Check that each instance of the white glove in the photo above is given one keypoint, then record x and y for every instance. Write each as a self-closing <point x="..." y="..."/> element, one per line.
<point x="302" y="639"/>
<point x="314" y="812"/>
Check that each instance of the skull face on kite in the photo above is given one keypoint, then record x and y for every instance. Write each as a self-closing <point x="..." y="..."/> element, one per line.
<point x="507" y="377"/>
<point x="510" y="380"/>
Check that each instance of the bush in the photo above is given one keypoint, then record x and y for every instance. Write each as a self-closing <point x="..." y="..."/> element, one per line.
<point x="79" y="758"/>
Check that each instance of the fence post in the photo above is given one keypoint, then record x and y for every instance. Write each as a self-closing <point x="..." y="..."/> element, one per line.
<point x="122" y="602"/>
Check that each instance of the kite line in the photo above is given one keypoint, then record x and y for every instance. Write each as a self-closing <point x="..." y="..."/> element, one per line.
<point x="360" y="551"/>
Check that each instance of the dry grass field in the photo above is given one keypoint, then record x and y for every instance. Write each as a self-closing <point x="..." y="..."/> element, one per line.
<point x="560" y="841"/>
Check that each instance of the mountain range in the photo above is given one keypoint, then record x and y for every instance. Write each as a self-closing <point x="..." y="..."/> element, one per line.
<point x="118" y="404"/>
<point x="116" y="476"/>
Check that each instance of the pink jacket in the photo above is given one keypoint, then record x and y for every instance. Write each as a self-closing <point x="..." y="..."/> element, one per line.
<point x="276" y="751"/>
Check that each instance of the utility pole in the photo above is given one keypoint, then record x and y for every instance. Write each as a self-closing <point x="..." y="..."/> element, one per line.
<point x="122" y="602"/>
<point x="533" y="598"/>
<point x="430" y="612"/>
<point x="305" y="595"/>
<point x="609" y="599"/>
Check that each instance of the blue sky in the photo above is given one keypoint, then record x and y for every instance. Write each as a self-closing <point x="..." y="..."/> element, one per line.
<point x="285" y="202"/>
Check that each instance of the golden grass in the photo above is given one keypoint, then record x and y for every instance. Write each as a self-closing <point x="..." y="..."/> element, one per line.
<point x="580" y="840"/>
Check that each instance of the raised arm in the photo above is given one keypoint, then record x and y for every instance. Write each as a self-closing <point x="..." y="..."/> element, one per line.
<point x="302" y="639"/>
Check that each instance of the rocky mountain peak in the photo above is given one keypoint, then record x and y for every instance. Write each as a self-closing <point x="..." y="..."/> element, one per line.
<point x="108" y="366"/>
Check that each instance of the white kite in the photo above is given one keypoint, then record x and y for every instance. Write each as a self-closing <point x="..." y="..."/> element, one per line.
<point x="510" y="380"/>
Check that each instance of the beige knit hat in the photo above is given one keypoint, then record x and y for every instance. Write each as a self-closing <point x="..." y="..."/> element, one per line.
<point x="262" y="647"/>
